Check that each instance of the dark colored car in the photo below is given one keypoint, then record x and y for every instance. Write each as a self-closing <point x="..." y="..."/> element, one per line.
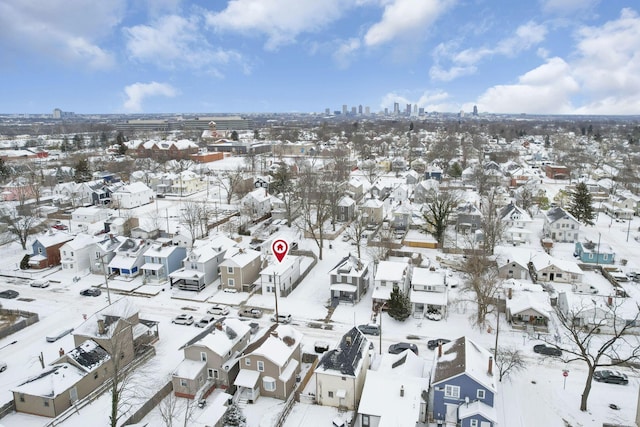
<point x="9" y="294"/>
<point x="547" y="350"/>
<point x="433" y="344"/>
<point x="91" y="292"/>
<point x="611" y="377"/>
<point x="369" y="329"/>
<point x="402" y="346"/>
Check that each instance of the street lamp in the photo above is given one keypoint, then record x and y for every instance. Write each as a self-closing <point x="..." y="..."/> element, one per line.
<point x="106" y="277"/>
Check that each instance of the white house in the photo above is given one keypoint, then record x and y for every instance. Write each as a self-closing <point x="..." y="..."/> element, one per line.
<point x="281" y="275"/>
<point x="560" y="226"/>
<point x="75" y="255"/>
<point x="132" y="196"/>
<point x="390" y="275"/>
<point x="428" y="293"/>
<point x="90" y="214"/>
<point x="257" y="202"/>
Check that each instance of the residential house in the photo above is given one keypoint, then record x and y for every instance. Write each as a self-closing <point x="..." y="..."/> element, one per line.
<point x="463" y="385"/>
<point x="468" y="218"/>
<point x="284" y="276"/>
<point x="90" y="214"/>
<point x="592" y="253"/>
<point x="132" y="196"/>
<point x="372" y="211"/>
<point x="355" y="188"/>
<point x="396" y="393"/>
<point x="557" y="172"/>
<point x="515" y="220"/>
<point x="46" y="249"/>
<point x="200" y="267"/>
<point x="619" y="208"/>
<point x="423" y="189"/>
<point x="118" y="329"/>
<point x="349" y="280"/>
<point x="549" y="269"/>
<point x="512" y="268"/>
<point x="160" y="260"/>
<point x="628" y="200"/>
<point x="401" y="217"/>
<point x="262" y="181"/>
<point x="388" y="276"/>
<point x="428" y="293"/>
<point x="433" y="172"/>
<point x="76" y="253"/>
<point x="560" y="226"/>
<point x="166" y="150"/>
<point x="269" y="365"/>
<point x="341" y="372"/>
<point x="257" y="203"/>
<point x="210" y="358"/>
<point x="103" y="251"/>
<point x="129" y="258"/>
<point x="346" y="209"/>
<point x="240" y="268"/>
<point x="412" y="177"/>
<point x="527" y="306"/>
<point x="599" y="311"/>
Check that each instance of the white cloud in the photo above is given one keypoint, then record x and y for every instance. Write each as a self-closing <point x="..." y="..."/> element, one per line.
<point x="175" y="42"/>
<point x="429" y="100"/>
<point x="404" y="18"/>
<point x="546" y="89"/>
<point x="280" y="20"/>
<point x="464" y="62"/>
<point x="343" y="54"/>
<point x="567" y="7"/>
<point x="65" y="30"/>
<point x="138" y="92"/>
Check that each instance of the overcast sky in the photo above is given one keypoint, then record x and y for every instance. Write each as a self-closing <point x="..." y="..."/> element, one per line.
<point x="145" y="56"/>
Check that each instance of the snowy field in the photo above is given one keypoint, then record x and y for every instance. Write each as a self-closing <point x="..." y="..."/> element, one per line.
<point x="536" y="396"/>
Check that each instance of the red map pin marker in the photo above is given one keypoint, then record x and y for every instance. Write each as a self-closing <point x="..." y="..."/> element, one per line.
<point x="280" y="248"/>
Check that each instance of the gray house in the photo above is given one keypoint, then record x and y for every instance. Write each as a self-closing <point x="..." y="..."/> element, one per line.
<point x="349" y="280"/>
<point x="160" y="260"/>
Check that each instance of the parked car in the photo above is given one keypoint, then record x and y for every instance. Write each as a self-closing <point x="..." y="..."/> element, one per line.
<point x="218" y="310"/>
<point x="183" y="319"/>
<point x="369" y="329"/>
<point x="9" y="294"/>
<point x="204" y="322"/>
<point x="547" y="350"/>
<point x="3" y="366"/>
<point x="402" y="346"/>
<point x="433" y="344"/>
<point x="39" y="283"/>
<point x="611" y="377"/>
<point x="60" y="227"/>
<point x="250" y="312"/>
<point x="230" y="290"/>
<point x="282" y="318"/>
<point x="55" y="337"/>
<point x="91" y="292"/>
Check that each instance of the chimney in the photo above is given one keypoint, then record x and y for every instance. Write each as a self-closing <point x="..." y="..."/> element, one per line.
<point x="219" y="326"/>
<point x="101" y="330"/>
<point x="490" y="369"/>
<point x="348" y="340"/>
<point x="609" y="300"/>
<point x="510" y="293"/>
<point x="439" y="350"/>
<point x="274" y="333"/>
<point x="401" y="391"/>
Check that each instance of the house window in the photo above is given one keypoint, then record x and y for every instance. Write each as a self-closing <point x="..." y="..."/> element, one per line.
<point x="71" y="253"/>
<point x="95" y="376"/>
<point x="480" y="394"/>
<point x="203" y="356"/>
<point x="559" y="275"/>
<point x="473" y="423"/>
<point x="605" y="257"/>
<point x="21" y="397"/>
<point x="247" y="362"/>
<point x="40" y="251"/>
<point x="260" y="364"/>
<point x="183" y="382"/>
<point x="230" y="270"/>
<point x="46" y="402"/>
<point x="269" y="384"/>
<point x="452" y="391"/>
<point x="232" y="282"/>
<point x="330" y="394"/>
<point x="590" y="256"/>
<point x="365" y="421"/>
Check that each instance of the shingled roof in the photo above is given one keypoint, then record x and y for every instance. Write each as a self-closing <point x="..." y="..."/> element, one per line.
<point x="346" y="358"/>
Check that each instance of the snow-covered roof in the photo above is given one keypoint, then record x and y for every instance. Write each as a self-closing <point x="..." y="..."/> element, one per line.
<point x="81" y="241"/>
<point x="123" y="308"/>
<point x="463" y="356"/>
<point x="521" y="301"/>
<point x="189" y="369"/>
<point x="51" y="382"/>
<point x="278" y="347"/>
<point x="406" y="363"/>
<point x="425" y="276"/>
<point x="222" y="337"/>
<point x="477" y="408"/>
<point x="52" y="238"/>
<point x="239" y="257"/>
<point x="391" y="271"/>
<point x="89" y="355"/>
<point x="279" y="268"/>
<point x="347" y="358"/>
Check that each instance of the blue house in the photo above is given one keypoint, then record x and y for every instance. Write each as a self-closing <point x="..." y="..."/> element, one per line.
<point x="463" y="385"/>
<point x="592" y="253"/>
<point x="161" y="260"/>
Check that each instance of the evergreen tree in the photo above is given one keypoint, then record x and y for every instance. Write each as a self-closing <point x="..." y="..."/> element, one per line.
<point x="580" y="206"/>
<point x="233" y="417"/>
<point x="4" y="170"/>
<point x="399" y="306"/>
<point x="122" y="149"/>
<point x="82" y="172"/>
<point x="234" y="135"/>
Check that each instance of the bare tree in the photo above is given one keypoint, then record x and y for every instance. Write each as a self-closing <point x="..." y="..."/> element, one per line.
<point x="581" y="330"/>
<point x="21" y="226"/>
<point x="483" y="284"/>
<point x="120" y="348"/>
<point x="314" y="207"/>
<point x="509" y="360"/>
<point x="440" y="204"/>
<point x="491" y="225"/>
<point x="231" y="182"/>
<point x="192" y="216"/>
<point x="356" y="231"/>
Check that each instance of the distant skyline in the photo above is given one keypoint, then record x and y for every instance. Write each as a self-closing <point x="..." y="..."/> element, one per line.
<point x="173" y="56"/>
